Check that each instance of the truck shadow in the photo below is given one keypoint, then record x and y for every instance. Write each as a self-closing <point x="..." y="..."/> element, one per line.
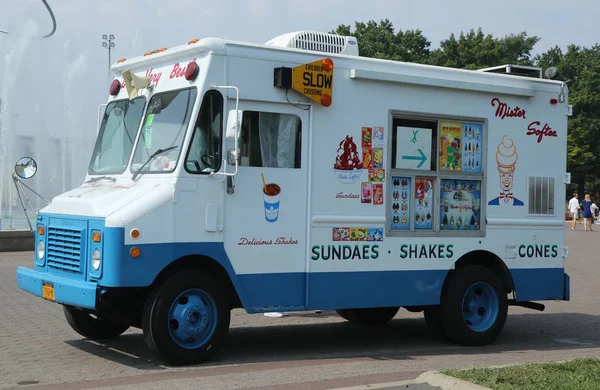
<point x="400" y="339"/>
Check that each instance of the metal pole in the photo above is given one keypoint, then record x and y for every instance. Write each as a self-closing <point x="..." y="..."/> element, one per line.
<point x="108" y="43"/>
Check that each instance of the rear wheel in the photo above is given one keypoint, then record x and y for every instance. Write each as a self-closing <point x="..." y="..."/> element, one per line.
<point x="370" y="316"/>
<point x="186" y="318"/>
<point x="92" y="326"/>
<point x="474" y="306"/>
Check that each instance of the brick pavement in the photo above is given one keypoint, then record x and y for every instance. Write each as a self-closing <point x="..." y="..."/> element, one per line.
<point x="38" y="347"/>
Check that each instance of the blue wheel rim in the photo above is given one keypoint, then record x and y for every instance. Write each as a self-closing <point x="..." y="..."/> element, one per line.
<point x="480" y="307"/>
<point x="192" y="318"/>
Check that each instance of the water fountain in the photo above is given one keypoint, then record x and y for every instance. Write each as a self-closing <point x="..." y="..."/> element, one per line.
<point x="52" y="128"/>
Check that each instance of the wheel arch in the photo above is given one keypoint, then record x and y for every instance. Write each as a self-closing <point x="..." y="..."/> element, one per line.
<point x="485" y="259"/>
<point x="206" y="264"/>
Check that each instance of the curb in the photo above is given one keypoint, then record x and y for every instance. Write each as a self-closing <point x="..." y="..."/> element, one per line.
<point x="16" y="240"/>
<point x="433" y="378"/>
<point x="446" y="382"/>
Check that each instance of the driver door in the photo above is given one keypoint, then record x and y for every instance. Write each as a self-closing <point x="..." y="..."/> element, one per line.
<point x="266" y="215"/>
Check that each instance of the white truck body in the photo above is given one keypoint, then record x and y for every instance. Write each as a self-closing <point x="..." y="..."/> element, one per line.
<point x="410" y="170"/>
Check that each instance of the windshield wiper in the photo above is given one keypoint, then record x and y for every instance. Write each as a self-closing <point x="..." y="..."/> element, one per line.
<point x="95" y="179"/>
<point x="159" y="151"/>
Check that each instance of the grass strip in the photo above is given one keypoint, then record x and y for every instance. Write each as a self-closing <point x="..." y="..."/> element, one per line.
<point x="578" y="374"/>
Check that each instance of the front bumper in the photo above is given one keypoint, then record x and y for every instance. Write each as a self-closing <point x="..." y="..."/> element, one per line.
<point x="66" y="291"/>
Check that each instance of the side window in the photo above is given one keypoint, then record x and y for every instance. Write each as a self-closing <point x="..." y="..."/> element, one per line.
<point x="204" y="154"/>
<point x="437" y="177"/>
<point x="270" y="140"/>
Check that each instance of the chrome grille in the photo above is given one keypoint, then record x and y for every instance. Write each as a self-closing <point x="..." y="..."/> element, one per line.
<point x="64" y="249"/>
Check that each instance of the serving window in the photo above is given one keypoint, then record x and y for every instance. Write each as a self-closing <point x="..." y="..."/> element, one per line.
<point x="437" y="177"/>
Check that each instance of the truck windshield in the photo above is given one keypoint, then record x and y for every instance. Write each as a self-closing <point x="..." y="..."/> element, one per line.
<point x="115" y="140"/>
<point x="163" y="127"/>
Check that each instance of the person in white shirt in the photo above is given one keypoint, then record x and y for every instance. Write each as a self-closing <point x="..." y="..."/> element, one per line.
<point x="594" y="209"/>
<point x="574" y="210"/>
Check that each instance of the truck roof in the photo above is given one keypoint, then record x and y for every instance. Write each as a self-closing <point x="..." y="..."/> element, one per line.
<point x="361" y="67"/>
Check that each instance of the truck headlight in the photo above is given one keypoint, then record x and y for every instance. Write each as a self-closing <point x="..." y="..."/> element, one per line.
<point x="96" y="259"/>
<point x="41" y="249"/>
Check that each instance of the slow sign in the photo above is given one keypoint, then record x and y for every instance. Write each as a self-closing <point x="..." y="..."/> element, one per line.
<point x="315" y="81"/>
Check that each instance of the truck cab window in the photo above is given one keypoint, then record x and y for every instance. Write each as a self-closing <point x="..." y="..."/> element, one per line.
<point x="117" y="134"/>
<point x="271" y="140"/>
<point x="204" y="154"/>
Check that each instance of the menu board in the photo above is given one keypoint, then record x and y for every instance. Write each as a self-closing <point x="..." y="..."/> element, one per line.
<point x="460" y="147"/>
<point x="401" y="195"/>
<point x="460" y="204"/>
<point x="450" y="140"/>
<point x="471" y="148"/>
<point x="423" y="203"/>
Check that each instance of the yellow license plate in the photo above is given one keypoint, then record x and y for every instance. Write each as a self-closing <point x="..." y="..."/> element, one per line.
<point x="48" y="291"/>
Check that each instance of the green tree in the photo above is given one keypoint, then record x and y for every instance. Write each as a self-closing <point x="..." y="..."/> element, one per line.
<point x="474" y="50"/>
<point x="378" y="40"/>
<point x="580" y="68"/>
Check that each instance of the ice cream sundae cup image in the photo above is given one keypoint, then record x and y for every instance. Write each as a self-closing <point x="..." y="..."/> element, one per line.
<point x="506" y="159"/>
<point x="271" y="194"/>
<point x="348" y="164"/>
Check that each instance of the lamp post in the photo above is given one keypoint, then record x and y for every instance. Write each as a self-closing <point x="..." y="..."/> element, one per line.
<point x="108" y="44"/>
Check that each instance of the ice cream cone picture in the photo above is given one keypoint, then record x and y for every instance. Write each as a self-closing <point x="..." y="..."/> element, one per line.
<point x="506" y="159"/>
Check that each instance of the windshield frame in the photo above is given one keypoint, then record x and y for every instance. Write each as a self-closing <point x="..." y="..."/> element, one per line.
<point x="102" y="129"/>
<point x="193" y="107"/>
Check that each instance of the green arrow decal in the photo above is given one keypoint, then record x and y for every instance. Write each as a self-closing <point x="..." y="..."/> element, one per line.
<point x="422" y="158"/>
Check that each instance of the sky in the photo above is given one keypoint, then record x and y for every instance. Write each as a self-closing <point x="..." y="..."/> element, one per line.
<point x="53" y="87"/>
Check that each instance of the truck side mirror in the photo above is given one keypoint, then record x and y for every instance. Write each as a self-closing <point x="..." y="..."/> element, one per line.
<point x="26" y="167"/>
<point x="234" y="122"/>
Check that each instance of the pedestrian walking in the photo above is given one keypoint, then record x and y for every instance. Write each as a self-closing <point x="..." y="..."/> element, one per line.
<point x="574" y="210"/>
<point x="588" y="217"/>
<point x="594" y="208"/>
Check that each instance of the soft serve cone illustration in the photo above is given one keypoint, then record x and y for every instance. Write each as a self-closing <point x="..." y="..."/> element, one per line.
<point x="506" y="158"/>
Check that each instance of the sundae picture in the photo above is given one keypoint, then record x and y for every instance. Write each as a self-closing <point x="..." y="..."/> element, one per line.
<point x="348" y="164"/>
<point x="506" y="159"/>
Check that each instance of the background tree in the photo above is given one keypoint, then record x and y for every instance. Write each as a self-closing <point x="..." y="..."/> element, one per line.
<point x="474" y="50"/>
<point x="580" y="67"/>
<point x="378" y="40"/>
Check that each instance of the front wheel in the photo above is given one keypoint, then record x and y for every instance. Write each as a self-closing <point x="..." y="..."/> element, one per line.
<point x="186" y="318"/>
<point x="91" y="326"/>
<point x="474" y="306"/>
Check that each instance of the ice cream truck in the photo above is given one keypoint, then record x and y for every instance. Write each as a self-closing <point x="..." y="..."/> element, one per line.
<point x="296" y="175"/>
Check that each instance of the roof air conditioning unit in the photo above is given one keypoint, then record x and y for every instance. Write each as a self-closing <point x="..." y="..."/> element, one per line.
<point x="317" y="41"/>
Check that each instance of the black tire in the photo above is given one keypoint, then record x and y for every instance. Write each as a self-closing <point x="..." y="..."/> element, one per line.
<point x="95" y="328"/>
<point x="372" y="316"/>
<point x="466" y="331"/>
<point x="433" y="321"/>
<point x="343" y="313"/>
<point x="161" y="329"/>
